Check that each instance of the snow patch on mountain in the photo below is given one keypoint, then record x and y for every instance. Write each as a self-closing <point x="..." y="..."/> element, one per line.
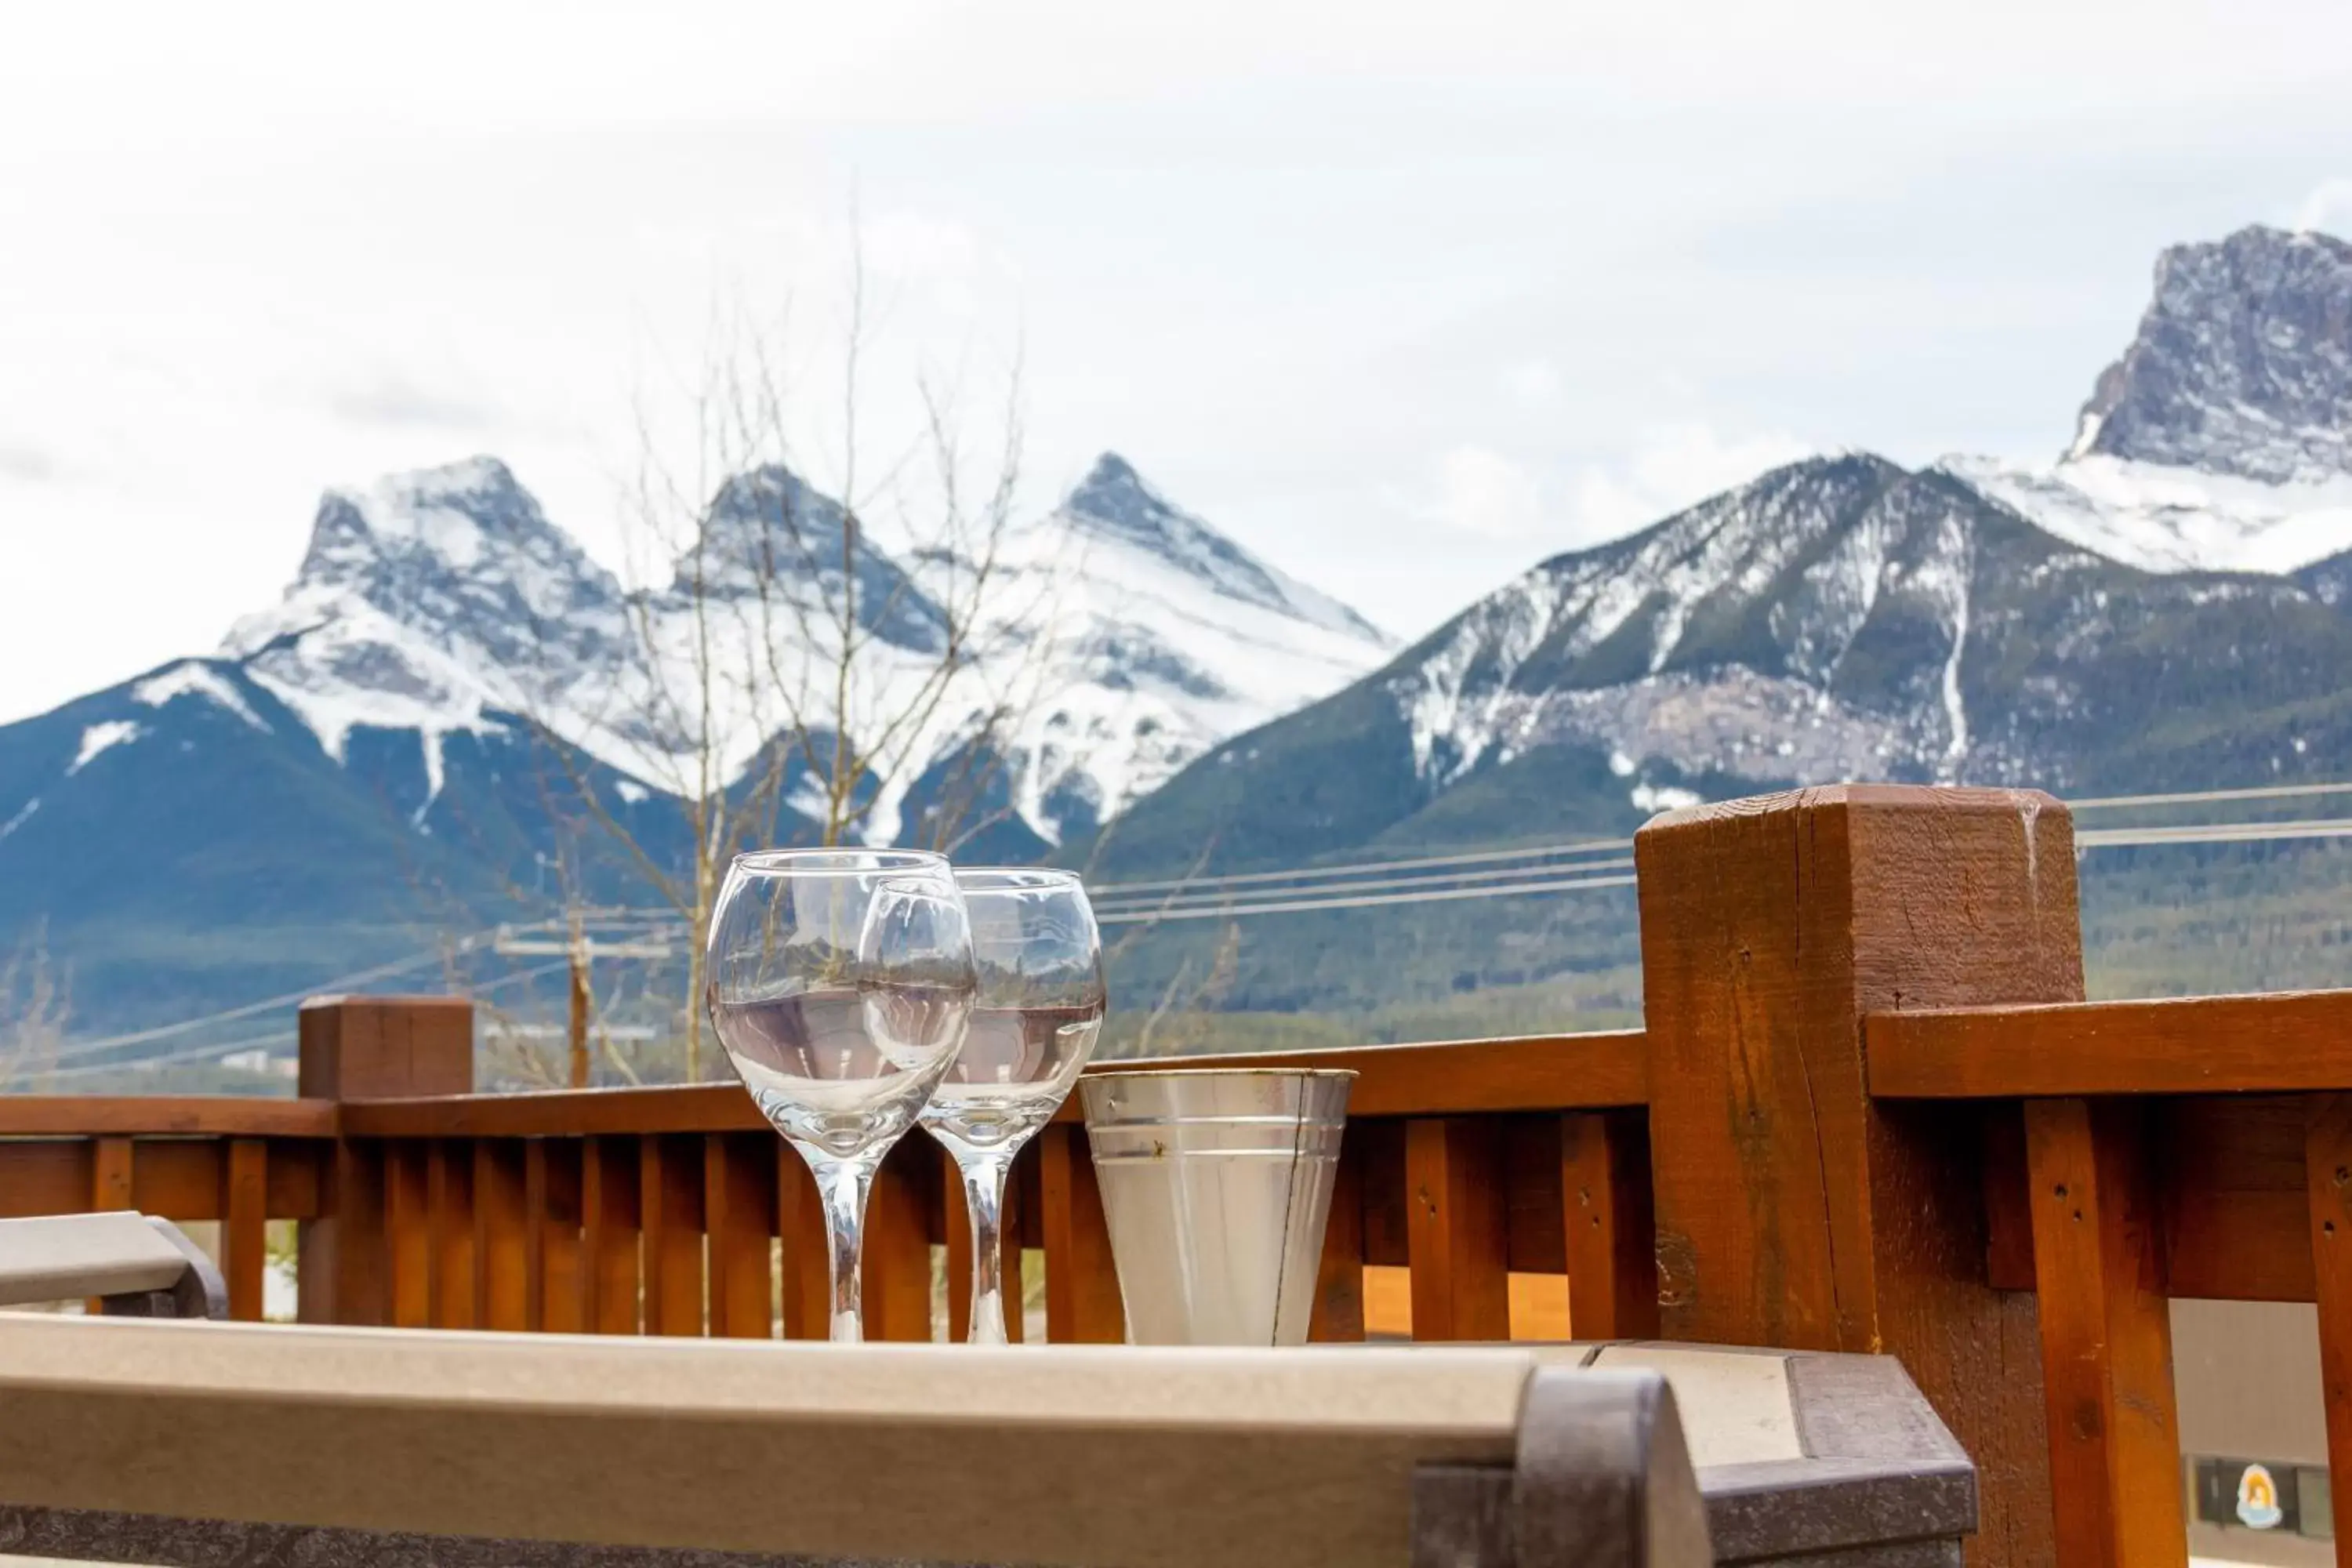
<point x="100" y="738"/>
<point x="193" y="678"/>
<point x="2165" y="518"/>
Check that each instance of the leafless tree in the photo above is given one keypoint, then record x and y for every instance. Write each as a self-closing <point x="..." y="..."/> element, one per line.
<point x="811" y="655"/>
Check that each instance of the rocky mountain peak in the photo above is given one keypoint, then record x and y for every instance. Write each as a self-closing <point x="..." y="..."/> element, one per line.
<point x="2242" y="365"/>
<point x="1113" y="504"/>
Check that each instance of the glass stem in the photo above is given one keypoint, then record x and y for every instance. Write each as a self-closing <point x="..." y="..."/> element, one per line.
<point x="984" y="1196"/>
<point x="843" y="1185"/>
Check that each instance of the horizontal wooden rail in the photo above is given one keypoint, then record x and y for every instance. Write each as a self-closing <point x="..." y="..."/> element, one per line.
<point x="2294" y="1042"/>
<point x="163" y="1115"/>
<point x="1598" y="1071"/>
<point x="1602" y="1071"/>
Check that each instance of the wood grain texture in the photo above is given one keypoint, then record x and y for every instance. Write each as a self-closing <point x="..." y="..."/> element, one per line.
<point x="1532" y="1186"/>
<point x="1386" y="1226"/>
<point x="2106" y="1337"/>
<point x="2236" y="1208"/>
<point x="449" y="1205"/>
<point x="1543" y="1073"/>
<point x="552" y="1183"/>
<point x="408" y="1236"/>
<point x="895" y="1286"/>
<point x="1457" y="1229"/>
<point x="109" y="1187"/>
<point x="2288" y="1041"/>
<point x="244" y="1226"/>
<point x="164" y="1115"/>
<point x="379" y="1048"/>
<point x="739" y="1197"/>
<point x="1534" y="1072"/>
<point x="1612" y="1257"/>
<point x="2327" y="1160"/>
<point x="1339" y="1313"/>
<point x="806" y="1287"/>
<point x="2009" y="1201"/>
<point x="669" y="1205"/>
<point x="1082" y="1299"/>
<point x="343" y="1263"/>
<point x="110" y="1182"/>
<point x="608" y="1236"/>
<point x="178" y="1178"/>
<point x="502" y="1237"/>
<point x="1792" y="1210"/>
<point x="560" y="1113"/>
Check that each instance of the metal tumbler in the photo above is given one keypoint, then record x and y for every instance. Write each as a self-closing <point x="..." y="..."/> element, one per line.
<point x="1216" y="1183"/>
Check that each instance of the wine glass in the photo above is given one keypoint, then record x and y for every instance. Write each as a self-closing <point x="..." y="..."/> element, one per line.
<point x="1040" y="1006"/>
<point x="840" y="980"/>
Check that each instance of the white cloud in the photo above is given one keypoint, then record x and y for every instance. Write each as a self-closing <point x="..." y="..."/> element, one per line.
<point x="1486" y="493"/>
<point x="1533" y="382"/>
<point x="2328" y="207"/>
<point x="1668" y="468"/>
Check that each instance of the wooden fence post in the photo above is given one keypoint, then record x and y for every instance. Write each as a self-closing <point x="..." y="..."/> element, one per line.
<point x="368" y="1048"/>
<point x="1791" y="1209"/>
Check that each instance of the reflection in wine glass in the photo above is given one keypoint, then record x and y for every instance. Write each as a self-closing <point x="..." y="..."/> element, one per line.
<point x="1040" y="1005"/>
<point x="841" y="983"/>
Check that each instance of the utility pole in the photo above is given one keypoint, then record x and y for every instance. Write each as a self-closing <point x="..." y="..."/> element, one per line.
<point x="580" y="949"/>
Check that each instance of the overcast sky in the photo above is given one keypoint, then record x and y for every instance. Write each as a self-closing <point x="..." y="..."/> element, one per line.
<point x="1404" y="297"/>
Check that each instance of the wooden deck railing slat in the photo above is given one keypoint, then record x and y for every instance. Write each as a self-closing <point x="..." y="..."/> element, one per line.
<point x="502" y="1265"/>
<point x="2106" y="1337"/>
<point x="449" y="1207"/>
<point x="896" y="1274"/>
<point x="608" y="1234"/>
<point x="2328" y="1164"/>
<point x="1082" y="1298"/>
<point x="805" y="1288"/>
<point x="669" y="1209"/>
<point x="110" y="1183"/>
<point x="1339" y="1313"/>
<point x="1457" y="1229"/>
<point x="408" y="1236"/>
<point x="1612" y="1262"/>
<point x="738" y="1199"/>
<point x="244" y="1226"/>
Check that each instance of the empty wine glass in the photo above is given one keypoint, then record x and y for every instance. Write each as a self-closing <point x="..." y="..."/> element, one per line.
<point x="1040" y="1006"/>
<point x="840" y="980"/>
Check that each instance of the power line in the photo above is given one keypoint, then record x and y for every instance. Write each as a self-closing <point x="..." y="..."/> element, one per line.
<point x="1319" y="875"/>
<point x="1373" y="900"/>
<point x="2215" y="833"/>
<point x="291" y="998"/>
<point x="1183" y="901"/>
<point x="1582" y="846"/>
<point x="170" y="1059"/>
<point x="2193" y="798"/>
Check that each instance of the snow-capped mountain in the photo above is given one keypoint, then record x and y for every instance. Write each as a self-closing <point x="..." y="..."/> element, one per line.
<point x="2242" y="365"/>
<point x="365" y="765"/>
<point x="2222" y="439"/>
<point x="2165" y="606"/>
<point x="1115" y="640"/>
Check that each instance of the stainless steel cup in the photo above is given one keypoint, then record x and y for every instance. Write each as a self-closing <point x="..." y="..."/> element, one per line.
<point x="1216" y="1183"/>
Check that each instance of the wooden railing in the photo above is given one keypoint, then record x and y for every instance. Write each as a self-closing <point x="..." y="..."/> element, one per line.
<point x="1870" y="1111"/>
